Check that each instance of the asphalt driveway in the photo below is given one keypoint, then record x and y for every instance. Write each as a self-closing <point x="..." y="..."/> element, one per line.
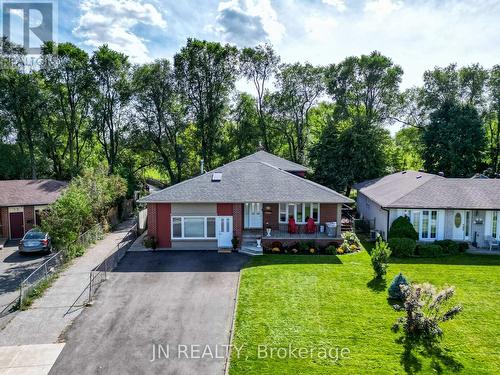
<point x="177" y="303"/>
<point x="14" y="268"/>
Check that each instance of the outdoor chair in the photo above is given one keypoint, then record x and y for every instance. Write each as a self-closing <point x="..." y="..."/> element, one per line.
<point x="292" y="226"/>
<point x="310" y="226"/>
<point x="493" y="243"/>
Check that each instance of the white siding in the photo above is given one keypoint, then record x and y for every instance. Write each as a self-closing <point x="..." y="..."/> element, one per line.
<point x="369" y="210"/>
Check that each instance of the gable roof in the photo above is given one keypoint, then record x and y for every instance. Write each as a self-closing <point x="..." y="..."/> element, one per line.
<point x="29" y="192"/>
<point x="389" y="189"/>
<point x="275" y="161"/>
<point x="406" y="190"/>
<point x="247" y="180"/>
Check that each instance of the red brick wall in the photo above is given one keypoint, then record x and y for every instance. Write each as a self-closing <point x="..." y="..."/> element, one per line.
<point x="152" y="220"/>
<point x="224" y="209"/>
<point x="29" y="218"/>
<point x="163" y="213"/>
<point x="4" y="221"/>
<point x="237" y="219"/>
<point x="273" y="217"/>
<point x="328" y="212"/>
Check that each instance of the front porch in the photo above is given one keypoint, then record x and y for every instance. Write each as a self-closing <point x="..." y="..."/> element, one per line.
<point x="282" y="234"/>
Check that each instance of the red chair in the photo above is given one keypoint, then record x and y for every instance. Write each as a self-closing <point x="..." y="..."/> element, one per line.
<point x="310" y="226"/>
<point x="292" y="226"/>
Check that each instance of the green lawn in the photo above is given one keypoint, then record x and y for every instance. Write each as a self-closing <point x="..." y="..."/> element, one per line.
<point x="326" y="301"/>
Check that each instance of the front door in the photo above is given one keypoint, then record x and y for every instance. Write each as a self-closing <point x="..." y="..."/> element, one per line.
<point x="224" y="231"/>
<point x="253" y="215"/>
<point x="16" y="225"/>
<point x="461" y="225"/>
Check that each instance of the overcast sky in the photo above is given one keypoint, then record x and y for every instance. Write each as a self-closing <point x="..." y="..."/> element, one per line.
<point x="417" y="34"/>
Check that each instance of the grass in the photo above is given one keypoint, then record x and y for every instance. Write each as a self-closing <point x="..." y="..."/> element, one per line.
<point x="38" y="291"/>
<point x="330" y="301"/>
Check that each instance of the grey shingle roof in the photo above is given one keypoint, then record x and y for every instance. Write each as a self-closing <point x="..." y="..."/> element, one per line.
<point x="247" y="180"/>
<point x="463" y="193"/>
<point x="405" y="190"/>
<point x="276" y="161"/>
<point x="29" y="192"/>
<point x="388" y="189"/>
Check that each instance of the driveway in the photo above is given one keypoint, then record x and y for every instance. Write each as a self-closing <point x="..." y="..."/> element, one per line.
<point x="14" y="268"/>
<point x="179" y="302"/>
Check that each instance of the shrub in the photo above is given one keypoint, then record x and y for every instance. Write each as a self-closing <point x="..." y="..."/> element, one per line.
<point x="303" y="247"/>
<point x="402" y="247"/>
<point x="275" y="250"/>
<point x="463" y="246"/>
<point x="429" y="250"/>
<point x="448" y="246"/>
<point x="277" y="244"/>
<point x="403" y="228"/>
<point x="351" y="239"/>
<point x="150" y="242"/>
<point x="331" y="250"/>
<point x="380" y="256"/>
<point x="394" y="290"/>
<point x="423" y="307"/>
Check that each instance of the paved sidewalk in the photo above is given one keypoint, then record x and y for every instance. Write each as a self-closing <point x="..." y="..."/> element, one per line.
<point x="28" y="359"/>
<point x="46" y="319"/>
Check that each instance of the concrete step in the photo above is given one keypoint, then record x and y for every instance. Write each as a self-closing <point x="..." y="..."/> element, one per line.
<point x="251" y="250"/>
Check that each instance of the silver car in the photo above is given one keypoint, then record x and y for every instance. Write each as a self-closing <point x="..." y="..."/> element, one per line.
<point x="35" y="241"/>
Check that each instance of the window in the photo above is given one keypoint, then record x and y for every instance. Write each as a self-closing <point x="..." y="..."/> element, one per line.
<point x="425" y="224"/>
<point x="433" y="224"/>
<point x="299" y="211"/>
<point x="494" y="228"/>
<point x="193" y="227"/>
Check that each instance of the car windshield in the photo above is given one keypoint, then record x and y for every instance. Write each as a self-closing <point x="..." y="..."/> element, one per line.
<point x="34" y="236"/>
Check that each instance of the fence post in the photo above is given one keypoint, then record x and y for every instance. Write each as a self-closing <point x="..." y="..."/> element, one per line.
<point x="90" y="287"/>
<point x="45" y="271"/>
<point x="20" y="295"/>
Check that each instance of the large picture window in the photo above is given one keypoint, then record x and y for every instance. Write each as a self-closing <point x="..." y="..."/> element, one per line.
<point x="193" y="227"/>
<point x="299" y="211"/>
<point x="425" y="223"/>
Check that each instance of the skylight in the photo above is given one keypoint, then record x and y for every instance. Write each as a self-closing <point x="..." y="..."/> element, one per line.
<point x="216" y="177"/>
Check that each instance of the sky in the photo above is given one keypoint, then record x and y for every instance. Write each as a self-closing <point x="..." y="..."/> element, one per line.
<point x="416" y="34"/>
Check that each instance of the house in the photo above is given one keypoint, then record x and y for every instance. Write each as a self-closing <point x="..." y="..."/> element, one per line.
<point x="21" y="202"/>
<point x="241" y="199"/>
<point x="461" y="209"/>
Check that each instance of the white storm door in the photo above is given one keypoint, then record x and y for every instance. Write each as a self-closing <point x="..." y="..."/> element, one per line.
<point x="459" y="222"/>
<point x="224" y="231"/>
<point x="254" y="215"/>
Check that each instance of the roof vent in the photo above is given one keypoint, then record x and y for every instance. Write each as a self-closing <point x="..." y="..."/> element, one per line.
<point x="216" y="177"/>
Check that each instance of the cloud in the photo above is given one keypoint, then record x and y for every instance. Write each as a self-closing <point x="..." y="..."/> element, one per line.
<point x="339" y="4"/>
<point x="248" y="22"/>
<point x="112" y="22"/>
<point x="381" y="7"/>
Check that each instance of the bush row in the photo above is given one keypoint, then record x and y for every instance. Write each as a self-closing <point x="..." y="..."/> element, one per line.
<point x="406" y="247"/>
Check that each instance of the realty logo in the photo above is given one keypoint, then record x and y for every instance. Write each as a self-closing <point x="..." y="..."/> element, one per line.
<point x="29" y="23"/>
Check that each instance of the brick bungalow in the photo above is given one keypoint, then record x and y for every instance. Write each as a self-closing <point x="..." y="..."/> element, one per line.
<point x="21" y="202"/>
<point x="241" y="199"/>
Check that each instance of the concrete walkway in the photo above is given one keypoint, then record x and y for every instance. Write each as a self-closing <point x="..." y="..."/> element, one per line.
<point x="28" y="359"/>
<point x="46" y="319"/>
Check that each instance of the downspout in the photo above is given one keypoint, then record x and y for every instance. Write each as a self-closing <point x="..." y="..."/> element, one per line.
<point x="387" y="226"/>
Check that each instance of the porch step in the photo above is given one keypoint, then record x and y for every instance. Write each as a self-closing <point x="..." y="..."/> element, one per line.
<point x="225" y="250"/>
<point x="251" y="250"/>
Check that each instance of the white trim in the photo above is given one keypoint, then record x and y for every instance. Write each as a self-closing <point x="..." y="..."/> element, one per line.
<point x="10" y="224"/>
<point x="287" y="204"/>
<point x="205" y="230"/>
<point x="13" y="210"/>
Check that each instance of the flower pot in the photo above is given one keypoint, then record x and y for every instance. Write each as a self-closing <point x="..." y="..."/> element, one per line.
<point x="259" y="241"/>
<point x="268" y="232"/>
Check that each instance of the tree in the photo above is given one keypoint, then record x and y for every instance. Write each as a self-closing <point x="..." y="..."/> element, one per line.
<point x="493" y="121"/>
<point x="244" y="132"/>
<point x="299" y="88"/>
<point x="258" y="65"/>
<point x="69" y="79"/>
<point x="454" y="141"/>
<point x="380" y="258"/>
<point x="408" y="149"/>
<point x="111" y="70"/>
<point x="160" y="114"/>
<point x="365" y="92"/>
<point x="206" y="73"/>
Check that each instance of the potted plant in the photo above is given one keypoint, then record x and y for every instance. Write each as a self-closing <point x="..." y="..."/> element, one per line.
<point x="259" y="242"/>
<point x="235" y="243"/>
<point x="268" y="230"/>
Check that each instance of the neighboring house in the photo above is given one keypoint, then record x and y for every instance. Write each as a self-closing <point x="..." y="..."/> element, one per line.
<point x="21" y="202"/>
<point x="244" y="196"/>
<point x="461" y="209"/>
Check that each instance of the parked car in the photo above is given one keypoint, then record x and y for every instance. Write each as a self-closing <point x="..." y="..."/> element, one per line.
<point x="35" y="241"/>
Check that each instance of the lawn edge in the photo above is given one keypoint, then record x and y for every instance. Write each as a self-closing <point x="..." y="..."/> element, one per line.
<point x="227" y="363"/>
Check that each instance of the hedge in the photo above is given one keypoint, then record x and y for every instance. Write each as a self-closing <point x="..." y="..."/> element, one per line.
<point x="448" y="246"/>
<point x="430" y="250"/>
<point x="402" y="247"/>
